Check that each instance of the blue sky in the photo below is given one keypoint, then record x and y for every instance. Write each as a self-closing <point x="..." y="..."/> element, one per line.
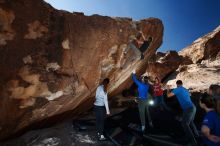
<point x="184" y="20"/>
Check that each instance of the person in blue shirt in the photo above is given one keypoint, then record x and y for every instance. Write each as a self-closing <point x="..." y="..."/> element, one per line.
<point x="211" y="122"/>
<point x="143" y="87"/>
<point x="188" y="108"/>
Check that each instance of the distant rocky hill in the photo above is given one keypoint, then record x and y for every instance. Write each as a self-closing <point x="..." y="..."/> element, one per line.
<point x="197" y="65"/>
<point x="204" y="48"/>
<point x="205" y="70"/>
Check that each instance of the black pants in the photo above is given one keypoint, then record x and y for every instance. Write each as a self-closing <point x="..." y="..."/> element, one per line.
<point x="100" y="114"/>
<point x="144" y="47"/>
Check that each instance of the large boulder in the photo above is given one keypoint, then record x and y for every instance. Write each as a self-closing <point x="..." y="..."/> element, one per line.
<point x="52" y="61"/>
<point x="196" y="77"/>
<point x="205" y="71"/>
<point x="161" y="65"/>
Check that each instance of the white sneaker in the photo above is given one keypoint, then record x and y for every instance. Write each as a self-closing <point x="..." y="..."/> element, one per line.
<point x="151" y="124"/>
<point x="102" y="138"/>
<point x="142" y="128"/>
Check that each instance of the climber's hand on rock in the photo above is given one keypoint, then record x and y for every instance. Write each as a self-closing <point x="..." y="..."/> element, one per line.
<point x="142" y="35"/>
<point x="134" y="71"/>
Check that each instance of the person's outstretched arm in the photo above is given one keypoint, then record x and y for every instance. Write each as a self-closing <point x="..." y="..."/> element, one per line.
<point x="134" y="78"/>
<point x="206" y="132"/>
<point x="207" y="125"/>
<point x="106" y="104"/>
<point x="144" y="38"/>
<point x="170" y="94"/>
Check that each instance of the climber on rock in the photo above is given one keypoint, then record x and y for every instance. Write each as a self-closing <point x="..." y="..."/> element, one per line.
<point x="138" y="46"/>
<point x="101" y="108"/>
<point x="145" y="45"/>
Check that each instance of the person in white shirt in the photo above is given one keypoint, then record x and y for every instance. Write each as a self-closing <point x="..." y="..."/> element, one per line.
<point x="101" y="108"/>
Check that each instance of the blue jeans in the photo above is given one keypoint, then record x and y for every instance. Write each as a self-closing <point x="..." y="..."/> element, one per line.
<point x="187" y="122"/>
<point x="159" y="100"/>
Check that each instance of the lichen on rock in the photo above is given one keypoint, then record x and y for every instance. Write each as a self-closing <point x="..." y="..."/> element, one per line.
<point x="35" y="30"/>
<point x="6" y="30"/>
<point x="65" y="44"/>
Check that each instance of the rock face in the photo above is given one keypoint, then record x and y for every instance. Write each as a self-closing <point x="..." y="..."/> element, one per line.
<point x="196" y="77"/>
<point x="205" y="71"/>
<point x="52" y="61"/>
<point x="206" y="47"/>
<point x="197" y="65"/>
<point x="164" y="64"/>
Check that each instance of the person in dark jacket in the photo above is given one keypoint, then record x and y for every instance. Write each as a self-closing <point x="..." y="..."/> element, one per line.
<point x="143" y="89"/>
<point x="145" y="45"/>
